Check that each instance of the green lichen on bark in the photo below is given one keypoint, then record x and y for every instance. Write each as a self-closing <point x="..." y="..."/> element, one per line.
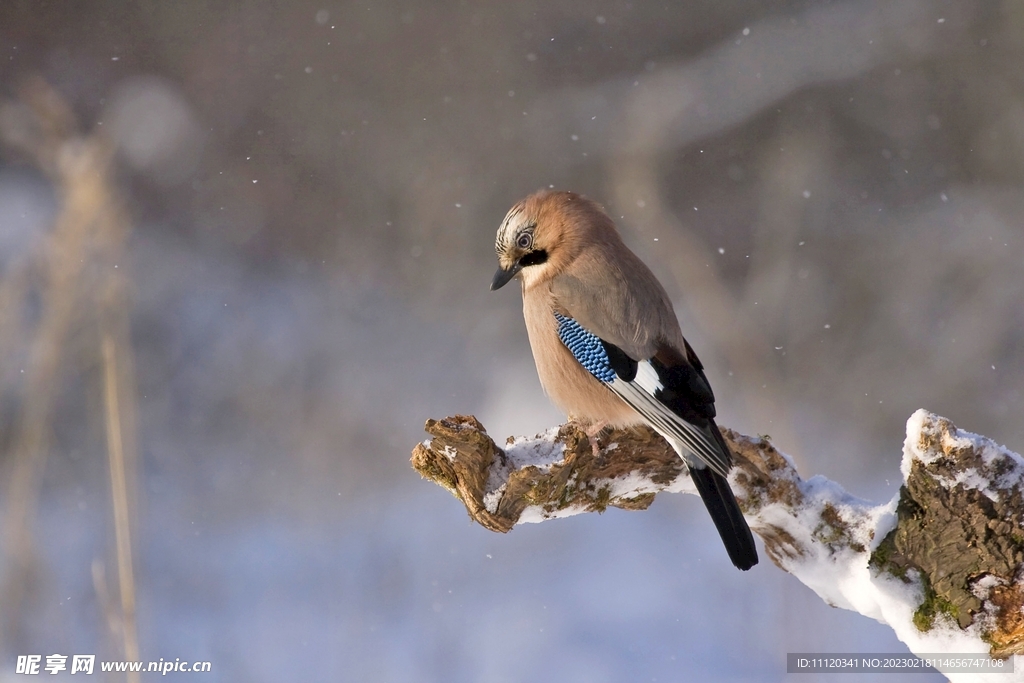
<point x="931" y="606"/>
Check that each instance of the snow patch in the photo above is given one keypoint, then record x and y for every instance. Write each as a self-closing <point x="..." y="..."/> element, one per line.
<point x="1001" y="468"/>
<point x="542" y="451"/>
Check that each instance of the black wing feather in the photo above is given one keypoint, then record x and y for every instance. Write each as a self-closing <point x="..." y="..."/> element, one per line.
<point x="686" y="388"/>
<point x="622" y="364"/>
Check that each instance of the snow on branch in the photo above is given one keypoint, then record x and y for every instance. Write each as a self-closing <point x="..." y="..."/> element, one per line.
<point x="942" y="563"/>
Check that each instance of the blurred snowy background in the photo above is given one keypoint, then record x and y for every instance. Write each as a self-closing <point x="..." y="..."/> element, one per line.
<point x="829" y="190"/>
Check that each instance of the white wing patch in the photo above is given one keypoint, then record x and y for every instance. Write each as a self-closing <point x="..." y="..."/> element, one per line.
<point x="647" y="377"/>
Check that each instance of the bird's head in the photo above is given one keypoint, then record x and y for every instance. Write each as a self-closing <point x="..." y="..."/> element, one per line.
<point x="542" y="234"/>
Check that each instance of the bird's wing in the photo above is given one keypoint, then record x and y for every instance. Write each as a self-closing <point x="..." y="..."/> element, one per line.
<point x="611" y="293"/>
<point x="668" y="389"/>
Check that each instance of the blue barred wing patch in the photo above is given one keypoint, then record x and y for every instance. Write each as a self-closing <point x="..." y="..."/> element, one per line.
<point x="586" y="347"/>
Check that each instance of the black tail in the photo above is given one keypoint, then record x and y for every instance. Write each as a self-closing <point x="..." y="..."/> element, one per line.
<point x="725" y="512"/>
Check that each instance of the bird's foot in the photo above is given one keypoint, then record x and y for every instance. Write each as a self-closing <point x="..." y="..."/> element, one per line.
<point x="593" y="431"/>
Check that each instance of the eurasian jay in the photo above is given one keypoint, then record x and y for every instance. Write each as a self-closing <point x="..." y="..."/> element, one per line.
<point x="607" y="344"/>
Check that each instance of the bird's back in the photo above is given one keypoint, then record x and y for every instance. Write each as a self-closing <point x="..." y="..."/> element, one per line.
<point x="612" y="293"/>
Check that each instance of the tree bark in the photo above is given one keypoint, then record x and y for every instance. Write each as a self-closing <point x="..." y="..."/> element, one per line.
<point x="951" y="538"/>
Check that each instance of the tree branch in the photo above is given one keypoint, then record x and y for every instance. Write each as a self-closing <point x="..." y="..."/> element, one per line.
<point x="944" y="558"/>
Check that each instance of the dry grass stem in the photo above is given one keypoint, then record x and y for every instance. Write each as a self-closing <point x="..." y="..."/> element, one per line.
<point x="79" y="288"/>
<point x="119" y="495"/>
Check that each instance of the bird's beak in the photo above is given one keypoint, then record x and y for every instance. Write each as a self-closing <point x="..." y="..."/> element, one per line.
<point x="502" y="277"/>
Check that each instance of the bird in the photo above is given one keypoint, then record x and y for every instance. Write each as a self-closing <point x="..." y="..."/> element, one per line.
<point x="607" y="344"/>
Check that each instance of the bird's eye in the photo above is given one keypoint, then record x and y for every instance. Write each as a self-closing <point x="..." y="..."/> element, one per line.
<point x="524" y="241"/>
